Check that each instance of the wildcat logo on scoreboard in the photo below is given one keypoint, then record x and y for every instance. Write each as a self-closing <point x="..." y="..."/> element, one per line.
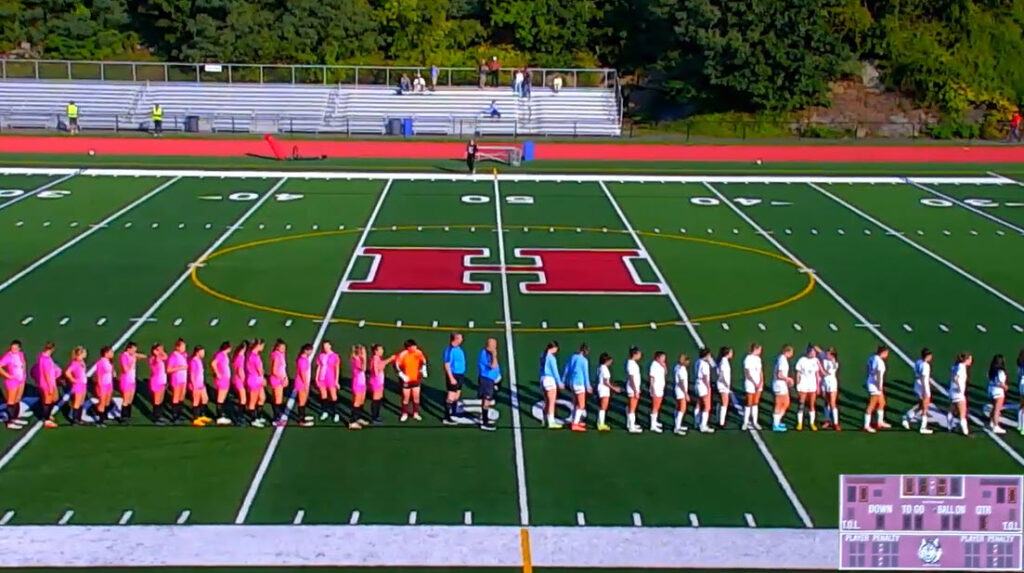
<point x="434" y="270"/>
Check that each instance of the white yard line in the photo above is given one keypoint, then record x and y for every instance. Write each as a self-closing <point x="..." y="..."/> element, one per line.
<point x="787" y="488"/>
<point x="82" y="236"/>
<point x="860" y="317"/>
<point x="991" y="290"/>
<point x="517" y="431"/>
<point x="971" y="208"/>
<point x="146" y="316"/>
<point x="325" y="323"/>
<point x="37" y="190"/>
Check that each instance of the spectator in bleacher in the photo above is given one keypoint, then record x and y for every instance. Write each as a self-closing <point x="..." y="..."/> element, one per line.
<point x="494" y="68"/>
<point x="157" y="115"/>
<point x="527" y="82"/>
<point x="419" y="85"/>
<point x="434" y="72"/>
<point x="483" y="74"/>
<point x="72" y="111"/>
<point x="556" y="84"/>
<point x="404" y="84"/>
<point x="517" y="83"/>
<point x="493" y="110"/>
<point x="1015" y="126"/>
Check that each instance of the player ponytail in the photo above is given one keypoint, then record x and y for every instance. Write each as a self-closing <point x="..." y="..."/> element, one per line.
<point x="997" y="365"/>
<point x="925" y="353"/>
<point x="50" y="346"/>
<point x="196" y="350"/>
<point x="225" y="346"/>
<point x="604" y="359"/>
<point x="723" y="352"/>
<point x="703" y="353"/>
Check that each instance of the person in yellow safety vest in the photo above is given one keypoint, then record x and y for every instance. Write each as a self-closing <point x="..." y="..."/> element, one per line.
<point x="72" y="112"/>
<point x="158" y="119"/>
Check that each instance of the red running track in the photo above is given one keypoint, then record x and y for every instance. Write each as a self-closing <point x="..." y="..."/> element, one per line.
<point x="923" y="153"/>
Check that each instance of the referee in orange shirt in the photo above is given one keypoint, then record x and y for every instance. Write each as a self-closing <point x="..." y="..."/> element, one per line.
<point x="411" y="364"/>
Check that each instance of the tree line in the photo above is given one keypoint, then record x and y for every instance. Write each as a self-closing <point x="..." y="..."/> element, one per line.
<point x="718" y="55"/>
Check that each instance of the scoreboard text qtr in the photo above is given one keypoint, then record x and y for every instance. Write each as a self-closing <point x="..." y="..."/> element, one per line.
<point x="951" y="522"/>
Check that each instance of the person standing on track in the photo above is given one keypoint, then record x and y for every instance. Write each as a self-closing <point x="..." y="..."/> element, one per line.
<point x="550" y="382"/>
<point x="46" y="373"/>
<point x="454" y="377"/>
<point x="72" y="113"/>
<point x="923" y="390"/>
<point x="753" y="385"/>
<point x="104" y="377"/>
<point x="723" y="383"/>
<point x="471" y="156"/>
<point x="808" y="378"/>
<point x="781" y="382"/>
<point x="13" y="370"/>
<point x="577" y="377"/>
<point x="488" y="378"/>
<point x="958" y="392"/>
<point x="875" y="385"/>
<point x="157" y="114"/>
<point x="997" y="390"/>
<point x="411" y="364"/>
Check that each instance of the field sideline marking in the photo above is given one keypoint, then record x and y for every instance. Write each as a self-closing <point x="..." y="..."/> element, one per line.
<point x="971" y="208"/>
<point x="920" y="248"/>
<point x="860" y="317"/>
<point x="38" y="190"/>
<point x="275" y="439"/>
<point x="517" y="431"/>
<point x="136" y="325"/>
<point x="761" y="446"/>
<point x="82" y="236"/>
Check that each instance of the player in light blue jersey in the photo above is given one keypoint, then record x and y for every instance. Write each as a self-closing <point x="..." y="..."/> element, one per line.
<point x="550" y="382"/>
<point x="577" y="377"/>
<point x="923" y="390"/>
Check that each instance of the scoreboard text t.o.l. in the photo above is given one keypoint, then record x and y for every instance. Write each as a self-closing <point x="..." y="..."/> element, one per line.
<point x="953" y="522"/>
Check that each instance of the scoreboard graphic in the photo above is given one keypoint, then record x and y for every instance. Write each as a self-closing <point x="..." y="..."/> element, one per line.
<point x="941" y="522"/>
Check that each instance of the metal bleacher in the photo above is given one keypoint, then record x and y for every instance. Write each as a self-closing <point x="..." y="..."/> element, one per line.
<point x="214" y="106"/>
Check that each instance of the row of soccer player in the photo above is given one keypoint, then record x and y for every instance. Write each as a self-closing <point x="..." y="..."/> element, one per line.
<point x="815" y="374"/>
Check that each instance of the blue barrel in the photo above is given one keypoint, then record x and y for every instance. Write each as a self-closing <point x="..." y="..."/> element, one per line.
<point x="407" y="127"/>
<point x="528" y="151"/>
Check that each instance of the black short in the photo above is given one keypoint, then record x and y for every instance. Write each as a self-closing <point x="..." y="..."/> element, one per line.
<point x="485" y="388"/>
<point x="460" y="379"/>
<point x="471" y="161"/>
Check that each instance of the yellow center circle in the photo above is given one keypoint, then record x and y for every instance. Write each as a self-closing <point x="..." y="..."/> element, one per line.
<point x="673" y="322"/>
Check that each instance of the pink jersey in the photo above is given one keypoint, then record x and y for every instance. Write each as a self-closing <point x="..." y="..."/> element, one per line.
<point x="196" y="372"/>
<point x="221" y="368"/>
<point x="77" y="369"/>
<point x="127" y="361"/>
<point x="303" y="371"/>
<point x="105" y="373"/>
<point x="254" y="366"/>
<point x="158" y="369"/>
<point x="376" y="371"/>
<point x="278" y="369"/>
<point x="46" y="372"/>
<point x="239" y="367"/>
<point x="14" y="363"/>
<point x="358" y="369"/>
<point x="178" y="360"/>
<point x="328" y="365"/>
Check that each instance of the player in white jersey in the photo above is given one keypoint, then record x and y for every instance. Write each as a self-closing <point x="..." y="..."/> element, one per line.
<point x="1020" y="390"/>
<point x="781" y="383"/>
<point x="753" y="385"/>
<point x="997" y="390"/>
<point x="875" y="384"/>
<point x="958" y="380"/>
<point x="633" y="389"/>
<point x="681" y="383"/>
<point x="830" y="387"/>
<point x="923" y="389"/>
<point x="605" y="387"/>
<point x="808" y="377"/>
<point x="656" y="375"/>
<point x="723" y="383"/>
<point x="702" y="389"/>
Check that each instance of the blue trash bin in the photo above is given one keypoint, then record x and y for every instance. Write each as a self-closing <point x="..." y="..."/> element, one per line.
<point x="528" y="151"/>
<point x="407" y="127"/>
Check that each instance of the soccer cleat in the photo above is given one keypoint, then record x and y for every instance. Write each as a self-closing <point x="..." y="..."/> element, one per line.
<point x="656" y="429"/>
<point x="99" y="424"/>
<point x="280" y="423"/>
<point x="337" y="418"/>
<point x="206" y="419"/>
<point x="50" y="424"/>
<point x="13" y="426"/>
<point x="679" y="431"/>
<point x="404" y="417"/>
<point x="779" y="428"/>
<point x="160" y="422"/>
<point x="869" y="429"/>
<point x="449" y="422"/>
<point x="883" y="425"/>
<point x="324" y="415"/>
<point x="223" y="421"/>
<point x="745" y="427"/>
<point x="363" y="422"/>
<point x="926" y="431"/>
<point x="906" y="423"/>
<point x="488" y="427"/>
<point x="757" y="426"/>
<point x="258" y="423"/>
<point x="555" y="426"/>
<point x="306" y="423"/>
<point x="198" y="422"/>
<point x="837" y="428"/>
<point x="998" y="430"/>
<point x="308" y="418"/>
<point x="707" y="430"/>
<point x="604" y="428"/>
<point x="580" y="427"/>
<point x="416" y="416"/>
<point x="799" y="426"/>
<point x="376" y="420"/>
<point x="354" y="426"/>
<point x="814" y="428"/>
<point x="635" y="430"/>
<point x="826" y="425"/>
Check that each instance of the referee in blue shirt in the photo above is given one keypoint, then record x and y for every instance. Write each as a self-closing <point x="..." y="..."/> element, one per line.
<point x="455" y="376"/>
<point x="489" y="375"/>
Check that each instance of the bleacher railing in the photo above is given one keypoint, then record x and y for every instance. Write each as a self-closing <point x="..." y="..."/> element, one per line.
<point x="290" y="74"/>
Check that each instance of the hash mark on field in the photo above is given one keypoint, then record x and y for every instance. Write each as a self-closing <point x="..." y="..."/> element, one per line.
<point x="761" y="326"/>
<point x="920" y="233"/>
<point x="682" y="231"/>
<point x="907" y="327"/>
<point x="125" y="517"/>
<point x="181" y="225"/>
<point x="544" y="324"/>
<point x="943" y="327"/>
<point x="46" y="223"/>
<point x="973" y="232"/>
<point x="183" y="517"/>
<point x="840" y="231"/>
<point x="8" y="515"/>
<point x="64" y="519"/>
<point x="654" y="326"/>
<point x="412" y="517"/>
<point x="155" y="225"/>
<point x="1018" y="328"/>
<point x="297" y="520"/>
<point x="471" y="323"/>
<point x="252" y="322"/>
<point x="398" y="323"/>
<point x="354" y="518"/>
<point x="433" y="324"/>
<point x="288" y="323"/>
<point x="617" y="326"/>
<point x="26" y="320"/>
<point x="64" y="321"/>
<point x="832" y="326"/>
<point x="579" y="325"/>
<point x="725" y="326"/>
<point x="637" y="522"/>
<point x="797" y="327"/>
<point x="580" y="518"/>
<point x="945" y="232"/>
<point x="177" y="321"/>
<point x="981" y="328"/>
<point x="214" y="321"/>
<point x="467" y="518"/>
<point x="288" y="227"/>
<point x="208" y="226"/>
<point x="788" y="231"/>
<point x="19" y="224"/>
<point x="693" y="520"/>
<point x="362" y="323"/>
<point x="814" y="231"/>
<point x="1000" y="232"/>
<point x="73" y="224"/>
<point x="750" y="519"/>
<point x="101" y="321"/>
<point x="128" y="225"/>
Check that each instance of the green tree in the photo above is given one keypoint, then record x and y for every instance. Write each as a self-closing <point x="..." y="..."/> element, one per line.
<point x="555" y="30"/>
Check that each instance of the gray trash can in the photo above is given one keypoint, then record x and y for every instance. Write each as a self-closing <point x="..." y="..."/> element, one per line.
<point x="192" y="123"/>
<point x="394" y="126"/>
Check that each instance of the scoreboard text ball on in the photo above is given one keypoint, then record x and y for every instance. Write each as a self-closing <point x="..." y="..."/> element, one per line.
<point x="945" y="522"/>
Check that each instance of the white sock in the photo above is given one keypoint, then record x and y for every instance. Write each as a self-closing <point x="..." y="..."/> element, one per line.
<point x="812" y="415"/>
<point x="880" y="415"/>
<point x="924" y="420"/>
<point x="746" y="415"/>
<point x="679" y="419"/>
<point x="600" y="417"/>
<point x="722" y="411"/>
<point x="704" y="419"/>
<point x="776" y="418"/>
<point x="1020" y="418"/>
<point x="963" y="425"/>
<point x="753" y="413"/>
<point x="630" y="420"/>
<point x="551" y="419"/>
<point x="867" y="420"/>
<point x="654" y="420"/>
<point x="835" y="415"/>
<point x="577" y="416"/>
<point x="800" y="415"/>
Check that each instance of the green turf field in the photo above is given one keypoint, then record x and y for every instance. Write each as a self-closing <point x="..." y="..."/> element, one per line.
<point x="103" y="257"/>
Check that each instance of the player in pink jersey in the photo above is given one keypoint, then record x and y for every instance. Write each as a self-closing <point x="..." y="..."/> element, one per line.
<point x="46" y="373"/>
<point x="328" y="371"/>
<point x="377" y="364"/>
<point x="75" y="373"/>
<point x="357" y="362"/>
<point x="238" y="378"/>
<point x="13" y="370"/>
<point x="128" y="379"/>
<point x="104" y="377"/>
<point x="303" y="377"/>
<point x="221" y="366"/>
<point x="158" y="381"/>
<point x="278" y="381"/>
<point x="255" y="381"/>
<point x="177" y="373"/>
<point x="197" y="384"/>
